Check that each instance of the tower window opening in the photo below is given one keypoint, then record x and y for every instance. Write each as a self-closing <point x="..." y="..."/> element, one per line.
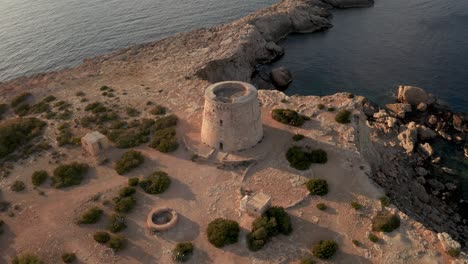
<point x="221" y="122"/>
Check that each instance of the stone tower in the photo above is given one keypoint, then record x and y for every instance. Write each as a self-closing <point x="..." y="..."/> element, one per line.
<point x="231" y="118"/>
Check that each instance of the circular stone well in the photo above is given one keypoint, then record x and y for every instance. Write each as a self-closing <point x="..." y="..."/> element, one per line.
<point x="161" y="219"/>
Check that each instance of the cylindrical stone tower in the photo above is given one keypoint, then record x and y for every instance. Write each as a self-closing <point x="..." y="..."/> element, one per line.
<point x="231" y="118"/>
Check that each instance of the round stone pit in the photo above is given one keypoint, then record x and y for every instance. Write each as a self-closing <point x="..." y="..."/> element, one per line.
<point x="161" y="219"/>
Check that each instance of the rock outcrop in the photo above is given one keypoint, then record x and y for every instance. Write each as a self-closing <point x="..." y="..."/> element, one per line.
<point x="399" y="109"/>
<point x="281" y="77"/>
<point x="349" y="3"/>
<point x="414" y="96"/>
<point x="408" y="137"/>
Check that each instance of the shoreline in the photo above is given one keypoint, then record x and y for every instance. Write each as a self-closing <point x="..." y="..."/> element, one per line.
<point x="181" y="66"/>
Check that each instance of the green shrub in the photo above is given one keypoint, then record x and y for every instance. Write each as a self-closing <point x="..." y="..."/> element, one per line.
<point x="134" y="134"/>
<point x="80" y="93"/>
<point x="301" y="159"/>
<point x="68" y="257"/>
<point x="453" y="252"/>
<point x="165" y="122"/>
<point x="17" y="133"/>
<point x="91" y="216"/>
<point x="356" y="205"/>
<point x="373" y="238"/>
<point x="104" y="88"/>
<point x="356" y="242"/>
<point x="350" y="95"/>
<point x="298" y="137"/>
<point x="321" y="106"/>
<point x="22" y="109"/>
<point x="132" y="112"/>
<point x="307" y="260"/>
<point x="273" y="222"/>
<point x="182" y="252"/>
<point x="165" y="140"/>
<point x="322" y="206"/>
<point x="222" y="232"/>
<point x="385" y="222"/>
<point x="325" y="249"/>
<point x="127" y="191"/>
<point x="39" y="177"/>
<point x="133" y="182"/>
<point x="317" y="187"/>
<point x="101" y="237"/>
<point x="27" y="259"/>
<point x="384" y="201"/>
<point x="158" y="110"/>
<point x="67" y="175"/>
<point x="117" y="223"/>
<point x="129" y="161"/>
<point x="96" y="107"/>
<point x="156" y="183"/>
<point x="39" y="108"/>
<point x="288" y="117"/>
<point x="17" y="186"/>
<point x="124" y="204"/>
<point x="20" y="99"/>
<point x="331" y="109"/>
<point x="3" y="109"/>
<point x="117" y="242"/>
<point x="343" y="116"/>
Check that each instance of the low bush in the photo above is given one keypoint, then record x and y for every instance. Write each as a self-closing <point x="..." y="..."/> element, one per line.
<point x="288" y="117"/>
<point x="385" y="222"/>
<point x="129" y="161"/>
<point x="39" y="108"/>
<point x="321" y="106"/>
<point x="350" y="95"/>
<point x="158" y="110"/>
<point x="331" y="109"/>
<point x="101" y="237"/>
<point x="69" y="174"/>
<point x="117" y="223"/>
<point x="127" y="191"/>
<point x="96" y="107"/>
<point x="317" y="187"/>
<point x="222" y="232"/>
<point x="325" y="249"/>
<point x="68" y="257"/>
<point x="273" y="222"/>
<point x="298" y="137"/>
<point x="182" y="252"/>
<point x="132" y="134"/>
<point x="17" y="186"/>
<point x="356" y="205"/>
<point x="322" y="206"/>
<point x="49" y="99"/>
<point x="356" y="242"/>
<point x="373" y="238"/>
<point x="22" y="109"/>
<point x="453" y="252"/>
<point x="343" y="116"/>
<point x="91" y="216"/>
<point x="20" y="99"/>
<point x="165" y="140"/>
<point x="132" y="112"/>
<point x="384" y="201"/>
<point x="124" y="204"/>
<point x="39" y="177"/>
<point x="156" y="183"/>
<point x="301" y="159"/>
<point x="133" y="182"/>
<point x="165" y="122"/>
<point x="104" y="88"/>
<point x="17" y="133"/>
<point x="307" y="260"/>
<point x="117" y="242"/>
<point x="27" y="259"/>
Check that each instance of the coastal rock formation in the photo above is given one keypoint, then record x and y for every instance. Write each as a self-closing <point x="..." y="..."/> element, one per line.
<point x="414" y="95"/>
<point x="399" y="109"/>
<point x="281" y="77"/>
<point x="447" y="242"/>
<point x="408" y="137"/>
<point x="349" y="3"/>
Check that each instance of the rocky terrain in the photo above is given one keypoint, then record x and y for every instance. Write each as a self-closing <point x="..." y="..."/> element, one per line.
<point x="392" y="146"/>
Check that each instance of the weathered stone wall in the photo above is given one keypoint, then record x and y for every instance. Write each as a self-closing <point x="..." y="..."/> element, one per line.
<point x="232" y="126"/>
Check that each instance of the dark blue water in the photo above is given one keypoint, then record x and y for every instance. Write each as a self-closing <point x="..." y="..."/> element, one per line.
<point x="371" y="51"/>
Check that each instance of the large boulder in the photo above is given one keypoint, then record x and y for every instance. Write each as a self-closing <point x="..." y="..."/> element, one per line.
<point x="414" y="95"/>
<point x="408" y="137"/>
<point x="466" y="150"/>
<point x="399" y="110"/>
<point x="274" y="49"/>
<point x="425" y="133"/>
<point x="460" y="122"/>
<point x="426" y="149"/>
<point x="281" y="77"/>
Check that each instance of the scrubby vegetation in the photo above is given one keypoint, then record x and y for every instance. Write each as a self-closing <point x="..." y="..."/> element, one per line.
<point x="307" y="260"/>
<point x="69" y="174"/>
<point x="65" y="136"/>
<point x="129" y="161"/>
<point x="317" y="187"/>
<point x="222" y="232"/>
<point x="127" y="191"/>
<point x="343" y="116"/>
<point x="68" y="257"/>
<point x="321" y="106"/>
<point x="165" y="122"/>
<point x="273" y="222"/>
<point x="20" y="99"/>
<point x="117" y="223"/>
<point x="101" y="237"/>
<point x="117" y="242"/>
<point x="165" y="140"/>
<point x="325" y="249"/>
<point x="182" y="252"/>
<point x="158" y="110"/>
<point x="132" y="134"/>
<point x="453" y="252"/>
<point x="373" y="238"/>
<point x="132" y="112"/>
<point x="384" y="201"/>
<point x="17" y="186"/>
<point x="288" y="117"/>
<point x="298" y="137"/>
<point x="124" y="204"/>
<point x="27" y="259"/>
<point x="356" y="242"/>
<point x="17" y="133"/>
<point x="385" y="222"/>
<point x="156" y="183"/>
<point x="302" y="159"/>
<point x="133" y="181"/>
<point x="39" y="177"/>
<point x="356" y="205"/>
<point x="91" y="216"/>
<point x="322" y="206"/>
